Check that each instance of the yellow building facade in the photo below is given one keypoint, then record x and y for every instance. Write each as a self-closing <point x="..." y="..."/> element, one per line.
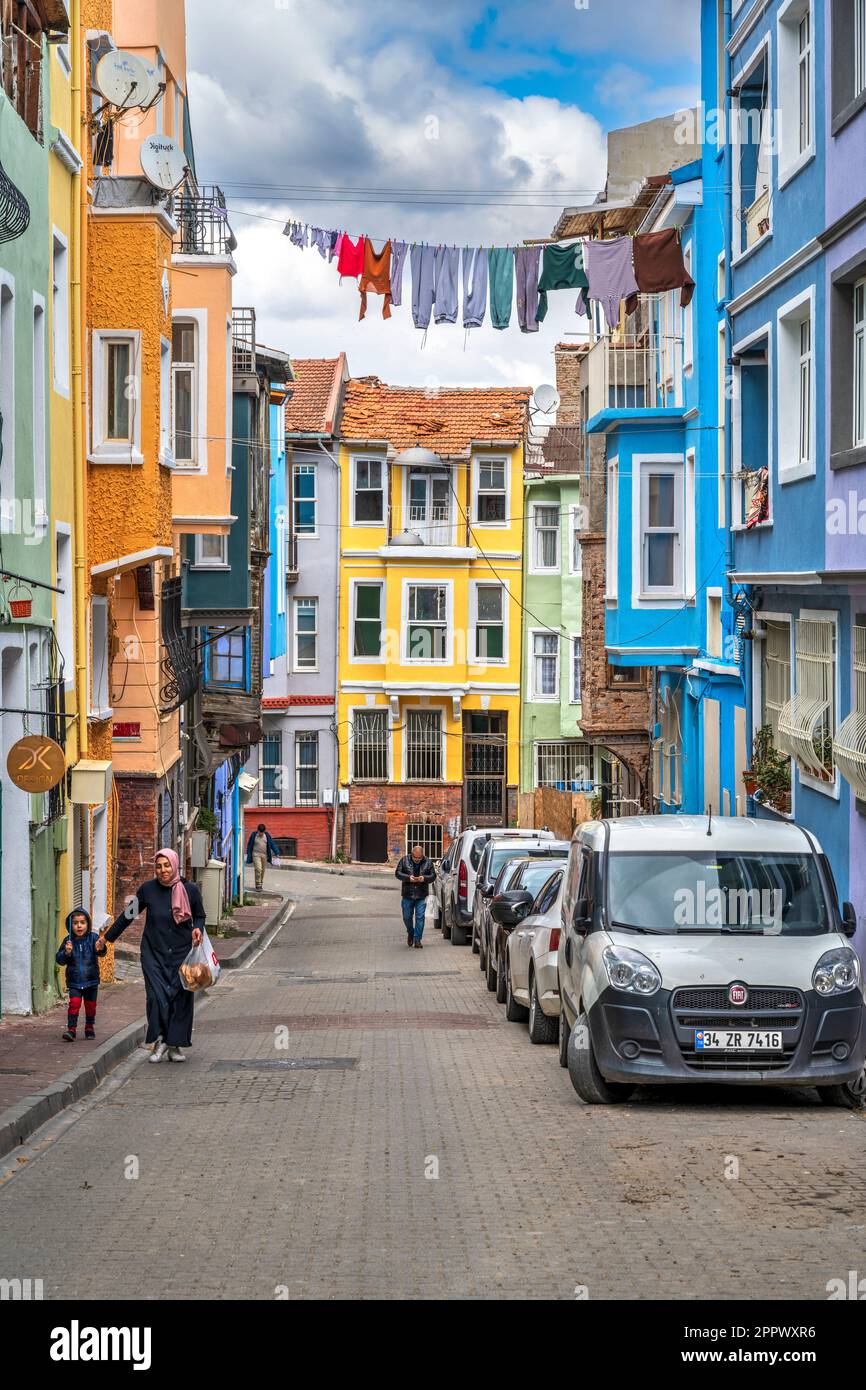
<point x="429" y="605"/>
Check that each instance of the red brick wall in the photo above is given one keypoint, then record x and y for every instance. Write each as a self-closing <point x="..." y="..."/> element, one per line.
<point x="309" y="825"/>
<point x="403" y="804"/>
<point x="136" y="835"/>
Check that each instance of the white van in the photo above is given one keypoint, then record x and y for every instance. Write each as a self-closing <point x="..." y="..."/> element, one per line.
<point x="699" y="949"/>
<point x="455" y="885"/>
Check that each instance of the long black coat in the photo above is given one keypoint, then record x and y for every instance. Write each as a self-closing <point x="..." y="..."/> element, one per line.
<point x="165" y="944"/>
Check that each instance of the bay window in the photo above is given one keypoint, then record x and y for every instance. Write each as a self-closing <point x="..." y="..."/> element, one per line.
<point x="661" y="528"/>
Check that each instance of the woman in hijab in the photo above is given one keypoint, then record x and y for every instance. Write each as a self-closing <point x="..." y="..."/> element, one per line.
<point x="174" y="922"/>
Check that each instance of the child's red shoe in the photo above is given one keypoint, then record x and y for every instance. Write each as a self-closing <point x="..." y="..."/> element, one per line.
<point x="89" y="1033"/>
<point x="69" y="1035"/>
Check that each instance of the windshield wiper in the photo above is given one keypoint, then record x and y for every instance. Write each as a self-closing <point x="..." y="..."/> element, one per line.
<point x="630" y="926"/>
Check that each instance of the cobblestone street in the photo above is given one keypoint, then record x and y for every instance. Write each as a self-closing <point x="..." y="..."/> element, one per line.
<point x="308" y="1166"/>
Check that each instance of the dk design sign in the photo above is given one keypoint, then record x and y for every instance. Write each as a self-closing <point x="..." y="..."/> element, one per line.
<point x="36" y="763"/>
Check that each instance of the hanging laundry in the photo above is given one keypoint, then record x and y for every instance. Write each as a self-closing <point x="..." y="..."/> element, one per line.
<point x="526" y="261"/>
<point x="447" y="263"/>
<point x="561" y="269"/>
<point x="500" y="261"/>
<point x="398" y="259"/>
<point x="659" y="266"/>
<point x="351" y="257"/>
<point x="474" y="286"/>
<point x="611" y="275"/>
<point x="321" y="240"/>
<point x="376" y="276"/>
<point x="333" y="245"/>
<point x="422" y="261"/>
<point x="297" y="233"/>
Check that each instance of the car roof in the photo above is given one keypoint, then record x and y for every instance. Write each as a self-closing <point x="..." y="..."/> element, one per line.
<point x="660" y="834"/>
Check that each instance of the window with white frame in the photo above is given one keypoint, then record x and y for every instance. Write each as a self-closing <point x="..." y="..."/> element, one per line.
<point x="227" y="658"/>
<point x="544" y="668"/>
<point x="489" y="622"/>
<point x="752" y="145"/>
<point x="796" y="86"/>
<point x="184" y="390"/>
<point x="270" y="763"/>
<point x="427" y="622"/>
<point x="116" y="418"/>
<point x="100" y="699"/>
<point x="370" y="745"/>
<point x="714" y="624"/>
<point x="491" y="492"/>
<point x="65" y="610"/>
<point x="307" y="768"/>
<point x="807" y="722"/>
<point x="211" y="552"/>
<point x="305" y="498"/>
<point x="611" y="581"/>
<point x="368" y="492"/>
<point x="661" y="504"/>
<point x="860" y="361"/>
<point x="423" y="745"/>
<point x="576" y="670"/>
<point x="565" y="764"/>
<point x="688" y="318"/>
<point x="846" y="42"/>
<point x="775" y="673"/>
<point x="796" y="389"/>
<point x="367" y="620"/>
<point x="804" y="80"/>
<point x="545" y="538"/>
<point x="849" y="745"/>
<point x="576" y="548"/>
<point x="165" y="449"/>
<point x="60" y="313"/>
<point x="306" y="634"/>
<point x="40" y="500"/>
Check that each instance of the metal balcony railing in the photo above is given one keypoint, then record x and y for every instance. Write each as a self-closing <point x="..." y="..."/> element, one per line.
<point x="291" y="559"/>
<point x="634" y="372"/>
<point x="202" y="222"/>
<point x="849" y="745"/>
<point x="181" y="672"/>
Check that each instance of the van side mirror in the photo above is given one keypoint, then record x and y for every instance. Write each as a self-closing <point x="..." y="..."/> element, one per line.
<point x="849" y="919"/>
<point x="580" y="919"/>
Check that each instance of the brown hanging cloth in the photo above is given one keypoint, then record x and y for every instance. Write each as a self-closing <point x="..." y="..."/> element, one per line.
<point x="659" y="266"/>
<point x="376" y="276"/>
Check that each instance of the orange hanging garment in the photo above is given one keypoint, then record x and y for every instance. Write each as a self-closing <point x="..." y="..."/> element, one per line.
<point x="376" y="276"/>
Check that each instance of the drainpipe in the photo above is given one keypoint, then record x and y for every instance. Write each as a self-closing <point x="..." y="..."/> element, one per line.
<point x="335" y="460"/>
<point x="78" y="236"/>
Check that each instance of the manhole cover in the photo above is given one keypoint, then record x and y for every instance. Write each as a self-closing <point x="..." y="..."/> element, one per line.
<point x="15" y="1071"/>
<point x="288" y="1064"/>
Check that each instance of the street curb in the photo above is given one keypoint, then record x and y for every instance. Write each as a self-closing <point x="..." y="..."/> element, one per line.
<point x="22" y="1120"/>
<point x="330" y="869"/>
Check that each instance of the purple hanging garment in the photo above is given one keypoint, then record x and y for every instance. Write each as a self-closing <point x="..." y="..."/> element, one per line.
<point x="610" y="273"/>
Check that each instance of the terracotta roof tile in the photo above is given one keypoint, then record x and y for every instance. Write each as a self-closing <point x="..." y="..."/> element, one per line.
<point x="447" y="419"/>
<point x="308" y="410"/>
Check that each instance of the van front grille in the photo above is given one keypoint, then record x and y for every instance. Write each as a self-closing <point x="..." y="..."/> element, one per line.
<point x="711" y="1008"/>
<point x="716" y="997"/>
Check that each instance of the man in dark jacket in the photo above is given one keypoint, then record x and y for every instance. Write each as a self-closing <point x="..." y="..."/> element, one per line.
<point x="415" y="872"/>
<point x="261" y="850"/>
<point x="79" y="952"/>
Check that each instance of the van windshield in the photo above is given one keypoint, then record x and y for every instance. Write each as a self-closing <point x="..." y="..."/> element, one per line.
<point x="752" y="894"/>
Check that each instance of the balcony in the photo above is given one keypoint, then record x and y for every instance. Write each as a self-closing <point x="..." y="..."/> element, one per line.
<point x="180" y="670"/>
<point x="292" y="571"/>
<point x="635" y="371"/>
<point x="202" y="222"/>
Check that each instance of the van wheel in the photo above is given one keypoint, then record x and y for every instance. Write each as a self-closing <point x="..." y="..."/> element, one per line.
<point x="490" y="975"/>
<point x="514" y="1012"/>
<point x="458" y="935"/>
<point x="501" y="982"/>
<point x="446" y="924"/>
<point x="851" y="1096"/>
<point x="475" y="946"/>
<point x="541" y="1028"/>
<point x="586" y="1078"/>
<point x="563" y="1037"/>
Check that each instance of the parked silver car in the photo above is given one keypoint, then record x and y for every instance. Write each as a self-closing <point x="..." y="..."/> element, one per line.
<point x="514" y="892"/>
<point x="457" y="877"/>
<point x="531" y="978"/>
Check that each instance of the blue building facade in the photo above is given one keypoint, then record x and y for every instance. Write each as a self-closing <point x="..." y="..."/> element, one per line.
<point x="670" y="606"/>
<point x="794" y="139"/>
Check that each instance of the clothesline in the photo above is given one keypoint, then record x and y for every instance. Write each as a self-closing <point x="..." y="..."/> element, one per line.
<point x="610" y="272"/>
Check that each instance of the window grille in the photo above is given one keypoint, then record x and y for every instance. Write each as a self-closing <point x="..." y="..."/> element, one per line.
<point x="423" y="745"/>
<point x="849" y="745"/>
<point x="307" y="769"/>
<point x="271" y="760"/>
<point x="565" y="764"/>
<point x="370" y="746"/>
<point x="806" y="721"/>
<point x="777" y="674"/>
<point x="429" y="837"/>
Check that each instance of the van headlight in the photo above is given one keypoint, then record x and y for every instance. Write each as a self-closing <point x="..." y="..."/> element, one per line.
<point x="836" y="972"/>
<point x="629" y="971"/>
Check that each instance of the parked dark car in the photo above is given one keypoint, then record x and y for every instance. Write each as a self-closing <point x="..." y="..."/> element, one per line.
<point x="514" y="891"/>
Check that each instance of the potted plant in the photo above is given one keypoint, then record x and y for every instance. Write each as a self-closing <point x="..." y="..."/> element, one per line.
<point x="770" y="773"/>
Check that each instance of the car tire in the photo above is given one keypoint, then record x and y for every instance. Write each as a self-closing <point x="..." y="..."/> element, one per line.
<point x="850" y="1096"/>
<point x="563" y="1037"/>
<point x="446" y="924"/>
<point x="482" y="957"/>
<point x="541" y="1028"/>
<point x="501" y="982"/>
<point x="514" y="1012"/>
<point x="458" y="935"/>
<point x="489" y="975"/>
<point x="583" y="1070"/>
<point x="475" y="946"/>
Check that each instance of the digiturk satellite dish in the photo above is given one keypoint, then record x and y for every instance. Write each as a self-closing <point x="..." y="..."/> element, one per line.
<point x="123" y="79"/>
<point x="163" y="163"/>
<point x="546" y="399"/>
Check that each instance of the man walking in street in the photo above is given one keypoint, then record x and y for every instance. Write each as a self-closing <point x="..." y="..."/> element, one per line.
<point x="261" y="850"/>
<point x="415" y="872"/>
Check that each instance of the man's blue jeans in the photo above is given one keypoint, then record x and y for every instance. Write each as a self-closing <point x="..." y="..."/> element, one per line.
<point x="413" y="916"/>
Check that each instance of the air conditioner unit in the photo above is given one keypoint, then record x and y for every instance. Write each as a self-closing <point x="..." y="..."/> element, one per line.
<point x="90" y="782"/>
<point x="344" y="796"/>
<point x="327" y="796"/>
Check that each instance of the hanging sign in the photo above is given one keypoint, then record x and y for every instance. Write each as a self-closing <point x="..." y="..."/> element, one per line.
<point x="36" y="763"/>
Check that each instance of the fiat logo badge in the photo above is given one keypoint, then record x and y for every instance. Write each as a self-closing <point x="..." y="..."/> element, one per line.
<point x="737" y="994"/>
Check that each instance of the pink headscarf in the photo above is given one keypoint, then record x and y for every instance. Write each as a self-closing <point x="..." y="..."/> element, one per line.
<point x="180" y="908"/>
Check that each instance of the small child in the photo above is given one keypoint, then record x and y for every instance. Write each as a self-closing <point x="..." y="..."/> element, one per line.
<point x="78" y="953"/>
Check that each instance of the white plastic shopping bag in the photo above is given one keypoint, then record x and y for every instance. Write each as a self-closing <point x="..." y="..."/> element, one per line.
<point x="201" y="969"/>
<point x="431" y="911"/>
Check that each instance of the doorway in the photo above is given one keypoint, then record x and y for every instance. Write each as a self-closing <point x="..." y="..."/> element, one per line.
<point x="369" y="842"/>
<point x="485" y="745"/>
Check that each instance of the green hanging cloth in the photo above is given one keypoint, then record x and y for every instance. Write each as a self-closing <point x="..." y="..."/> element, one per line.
<point x="561" y="269"/>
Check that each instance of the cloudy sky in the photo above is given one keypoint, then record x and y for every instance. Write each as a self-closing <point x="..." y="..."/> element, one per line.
<point x="448" y="120"/>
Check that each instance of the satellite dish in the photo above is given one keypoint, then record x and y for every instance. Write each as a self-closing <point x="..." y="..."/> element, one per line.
<point x="156" y="84"/>
<point x="163" y="163"/>
<point x="123" y="79"/>
<point x="546" y="399"/>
